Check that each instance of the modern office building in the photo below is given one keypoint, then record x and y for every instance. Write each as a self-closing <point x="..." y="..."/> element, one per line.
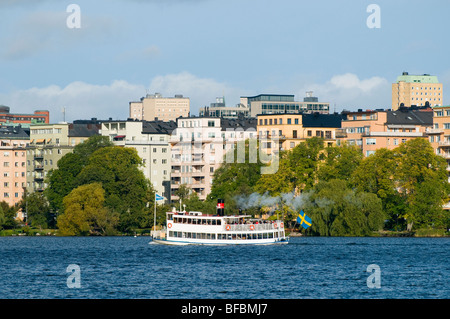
<point x="199" y="147"/>
<point x="151" y="141"/>
<point x="419" y="90"/>
<point x="275" y="104"/>
<point x="219" y="109"/>
<point x="156" y="107"/>
<point x="288" y="130"/>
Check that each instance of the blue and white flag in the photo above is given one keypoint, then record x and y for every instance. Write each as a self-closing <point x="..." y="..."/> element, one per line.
<point x="304" y="220"/>
<point x="158" y="197"/>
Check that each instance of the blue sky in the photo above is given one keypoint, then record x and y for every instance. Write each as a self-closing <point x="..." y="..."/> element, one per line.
<point x="208" y="48"/>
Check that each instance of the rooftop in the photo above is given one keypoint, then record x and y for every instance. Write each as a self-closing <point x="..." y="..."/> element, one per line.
<point x="423" y="78"/>
<point x="411" y="117"/>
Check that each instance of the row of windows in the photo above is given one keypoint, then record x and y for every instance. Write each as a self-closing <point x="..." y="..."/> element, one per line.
<point x="16" y="164"/>
<point x="46" y="131"/>
<point x="421" y="93"/>
<point x="16" y="195"/>
<point x="309" y="133"/>
<point x="426" y="99"/>
<point x="224" y="236"/>
<point x="16" y="184"/>
<point x="425" y="88"/>
<point x="6" y="154"/>
<point x="373" y="141"/>
<point x="278" y="121"/>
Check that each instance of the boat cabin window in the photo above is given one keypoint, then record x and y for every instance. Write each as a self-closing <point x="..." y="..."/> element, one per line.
<point x="195" y="221"/>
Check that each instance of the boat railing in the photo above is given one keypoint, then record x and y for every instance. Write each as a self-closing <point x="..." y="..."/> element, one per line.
<point x="252" y="227"/>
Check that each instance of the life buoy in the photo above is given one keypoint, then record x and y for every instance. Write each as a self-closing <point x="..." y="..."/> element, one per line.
<point x="282" y="225"/>
<point x="252" y="227"/>
<point x="228" y="227"/>
<point x="275" y="225"/>
<point x="169" y="225"/>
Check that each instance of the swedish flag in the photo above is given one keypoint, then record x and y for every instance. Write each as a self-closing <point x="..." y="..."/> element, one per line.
<point x="304" y="220"/>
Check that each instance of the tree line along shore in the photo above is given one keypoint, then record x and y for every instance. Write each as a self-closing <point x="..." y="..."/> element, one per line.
<point x="99" y="189"/>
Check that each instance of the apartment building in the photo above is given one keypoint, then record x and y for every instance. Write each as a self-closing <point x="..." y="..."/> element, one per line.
<point x="13" y="141"/>
<point x="7" y="118"/>
<point x="374" y="129"/>
<point x="439" y="135"/>
<point x="199" y="145"/>
<point x="419" y="90"/>
<point x="156" y="107"/>
<point x="285" y="131"/>
<point x="48" y="143"/>
<point x="275" y="104"/>
<point x="151" y="141"/>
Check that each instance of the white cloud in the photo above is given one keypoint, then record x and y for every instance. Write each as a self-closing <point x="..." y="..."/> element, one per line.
<point x="81" y="100"/>
<point x="84" y="100"/>
<point x="350" y="92"/>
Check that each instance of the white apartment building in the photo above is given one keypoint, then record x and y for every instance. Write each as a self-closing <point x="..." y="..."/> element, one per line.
<point x="199" y="145"/>
<point x="151" y="141"/>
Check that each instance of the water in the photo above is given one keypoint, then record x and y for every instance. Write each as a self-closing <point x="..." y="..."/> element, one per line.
<point x="131" y="268"/>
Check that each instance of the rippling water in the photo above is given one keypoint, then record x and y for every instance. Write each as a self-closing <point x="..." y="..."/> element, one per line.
<point x="129" y="267"/>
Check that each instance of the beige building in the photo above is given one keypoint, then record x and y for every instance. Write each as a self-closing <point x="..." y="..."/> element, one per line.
<point x="151" y="141"/>
<point x="48" y="143"/>
<point x="156" y="107"/>
<point x="419" y="90"/>
<point x="288" y="130"/>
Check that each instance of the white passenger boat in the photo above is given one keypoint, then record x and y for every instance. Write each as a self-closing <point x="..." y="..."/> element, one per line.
<point x="187" y="228"/>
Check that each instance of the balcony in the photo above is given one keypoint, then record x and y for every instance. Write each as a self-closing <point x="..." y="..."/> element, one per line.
<point x="434" y="131"/>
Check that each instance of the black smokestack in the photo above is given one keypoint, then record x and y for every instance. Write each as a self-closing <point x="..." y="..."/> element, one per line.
<point x="220" y="207"/>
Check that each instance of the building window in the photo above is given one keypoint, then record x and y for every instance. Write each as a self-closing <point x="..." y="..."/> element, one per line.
<point x="294" y="133"/>
<point x="289" y="121"/>
<point x="371" y="141"/>
<point x="309" y="133"/>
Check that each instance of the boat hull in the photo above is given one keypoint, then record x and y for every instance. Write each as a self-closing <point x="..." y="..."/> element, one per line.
<point x="218" y="242"/>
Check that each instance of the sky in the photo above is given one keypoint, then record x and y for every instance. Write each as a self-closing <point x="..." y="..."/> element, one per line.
<point x="203" y="49"/>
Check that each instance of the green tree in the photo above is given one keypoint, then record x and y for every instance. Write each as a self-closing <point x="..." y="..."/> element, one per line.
<point x="85" y="213"/>
<point x="340" y="162"/>
<point x="236" y="177"/>
<point x="421" y="176"/>
<point x="127" y="191"/>
<point x="8" y="215"/>
<point x="38" y="210"/>
<point x="337" y="210"/>
<point x="63" y="180"/>
<point x="297" y="169"/>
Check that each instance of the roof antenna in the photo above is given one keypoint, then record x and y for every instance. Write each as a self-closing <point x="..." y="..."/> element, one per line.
<point x="64" y="114"/>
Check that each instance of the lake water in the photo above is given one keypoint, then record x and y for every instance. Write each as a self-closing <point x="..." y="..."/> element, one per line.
<point x="308" y="267"/>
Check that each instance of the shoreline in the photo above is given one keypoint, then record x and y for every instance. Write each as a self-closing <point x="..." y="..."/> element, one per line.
<point x="383" y="233"/>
